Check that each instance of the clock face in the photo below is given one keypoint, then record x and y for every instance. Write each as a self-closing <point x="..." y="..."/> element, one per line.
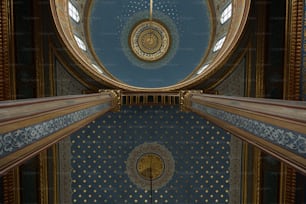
<point x="150" y="166"/>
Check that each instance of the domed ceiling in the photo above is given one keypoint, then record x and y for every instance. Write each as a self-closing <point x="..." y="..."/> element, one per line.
<point x="183" y="29"/>
<point x="150" y="45"/>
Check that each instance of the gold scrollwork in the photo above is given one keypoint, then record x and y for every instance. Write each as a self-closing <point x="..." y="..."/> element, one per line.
<point x="117" y="98"/>
<point x="185" y="98"/>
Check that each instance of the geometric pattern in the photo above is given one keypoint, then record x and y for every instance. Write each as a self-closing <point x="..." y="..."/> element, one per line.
<point x="100" y="150"/>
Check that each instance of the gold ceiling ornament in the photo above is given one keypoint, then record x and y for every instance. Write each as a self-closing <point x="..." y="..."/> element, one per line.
<point x="150" y="40"/>
<point x="150" y="166"/>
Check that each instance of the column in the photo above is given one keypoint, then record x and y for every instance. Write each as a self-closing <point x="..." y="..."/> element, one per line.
<point x="277" y="127"/>
<point x="28" y="127"/>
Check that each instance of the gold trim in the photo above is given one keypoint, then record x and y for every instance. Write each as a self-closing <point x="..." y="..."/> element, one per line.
<point x="282" y="154"/>
<point x="18" y="157"/>
<point x="260" y="49"/>
<point x="246" y="53"/>
<point x="283" y="115"/>
<point x="89" y="42"/>
<point x="6" y="49"/>
<point x="43" y="177"/>
<point x="293" y="49"/>
<point x="116" y="96"/>
<point x="185" y="98"/>
<point x="211" y="40"/>
<point x="145" y="35"/>
<point x="230" y="44"/>
<point x="256" y="176"/>
<point x="22" y="115"/>
<point x="11" y="186"/>
<point x="287" y="184"/>
<point x="282" y="186"/>
<point x="51" y="69"/>
<point x="248" y="74"/>
<point x="38" y="53"/>
<point x="245" y="170"/>
<point x="12" y="51"/>
<point x="67" y="68"/>
<point x="55" y="162"/>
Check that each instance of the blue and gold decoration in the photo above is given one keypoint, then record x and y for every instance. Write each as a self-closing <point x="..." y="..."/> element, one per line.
<point x="150" y="166"/>
<point x="200" y="152"/>
<point x="175" y="47"/>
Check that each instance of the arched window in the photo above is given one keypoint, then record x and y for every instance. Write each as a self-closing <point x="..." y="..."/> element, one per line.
<point x="80" y="43"/>
<point x="226" y="14"/>
<point x="202" y="69"/>
<point x="97" y="68"/>
<point x="73" y="12"/>
<point x="219" y="44"/>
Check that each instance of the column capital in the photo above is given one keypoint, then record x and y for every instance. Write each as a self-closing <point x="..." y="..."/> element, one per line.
<point x="117" y="97"/>
<point x="185" y="98"/>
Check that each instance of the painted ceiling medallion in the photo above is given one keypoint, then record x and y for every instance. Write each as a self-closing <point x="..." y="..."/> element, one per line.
<point x="150" y="41"/>
<point x="150" y="165"/>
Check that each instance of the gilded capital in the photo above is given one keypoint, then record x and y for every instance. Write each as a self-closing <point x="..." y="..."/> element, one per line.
<point x="185" y="98"/>
<point x="117" y="97"/>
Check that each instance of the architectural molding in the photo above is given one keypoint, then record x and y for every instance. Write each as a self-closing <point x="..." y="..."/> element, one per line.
<point x="287" y="184"/>
<point x="277" y="127"/>
<point x="61" y="19"/>
<point x="116" y="96"/>
<point x="43" y="177"/>
<point x="293" y="50"/>
<point x="5" y="45"/>
<point x="261" y="49"/>
<point x="26" y="131"/>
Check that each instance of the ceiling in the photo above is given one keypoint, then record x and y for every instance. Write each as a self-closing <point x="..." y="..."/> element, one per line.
<point x="201" y="153"/>
<point x="189" y="26"/>
<point x="109" y="33"/>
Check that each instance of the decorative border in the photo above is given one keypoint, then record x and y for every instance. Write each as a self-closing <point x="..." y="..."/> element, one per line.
<point x="290" y="140"/>
<point x="145" y="148"/>
<point x="15" y="140"/>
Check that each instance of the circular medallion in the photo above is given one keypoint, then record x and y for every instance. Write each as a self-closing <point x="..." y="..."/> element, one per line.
<point x="150" y="165"/>
<point x="150" y="41"/>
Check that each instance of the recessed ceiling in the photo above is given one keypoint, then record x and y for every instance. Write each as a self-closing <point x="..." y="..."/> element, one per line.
<point x="150" y="45"/>
<point x="188" y="25"/>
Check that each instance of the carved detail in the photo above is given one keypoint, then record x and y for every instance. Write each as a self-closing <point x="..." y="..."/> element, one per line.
<point x="293" y="70"/>
<point x="117" y="98"/>
<point x="185" y="98"/>
<point x="4" y="54"/>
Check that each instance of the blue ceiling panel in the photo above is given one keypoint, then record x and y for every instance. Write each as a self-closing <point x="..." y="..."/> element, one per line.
<point x="200" y="151"/>
<point x="189" y="26"/>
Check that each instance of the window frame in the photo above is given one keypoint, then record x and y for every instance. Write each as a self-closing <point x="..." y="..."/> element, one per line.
<point x="81" y="44"/>
<point x="226" y="13"/>
<point x="219" y="44"/>
<point x="73" y="12"/>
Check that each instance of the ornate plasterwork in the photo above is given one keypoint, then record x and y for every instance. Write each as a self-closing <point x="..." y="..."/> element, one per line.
<point x="285" y="138"/>
<point x="161" y="172"/>
<point x="150" y="41"/>
<point x="169" y="28"/>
